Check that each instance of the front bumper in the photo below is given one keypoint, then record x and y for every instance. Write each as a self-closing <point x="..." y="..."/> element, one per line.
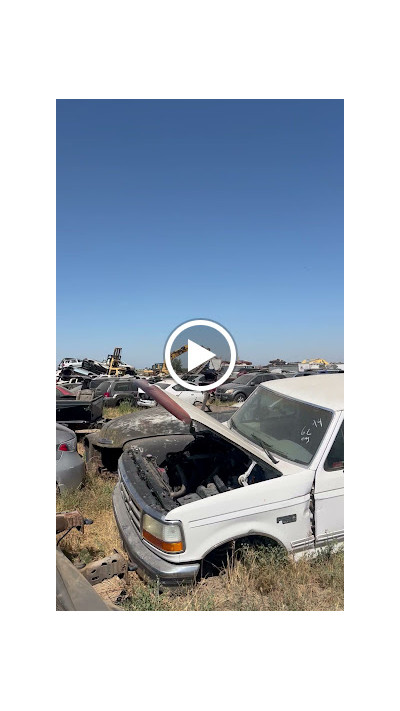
<point x="145" y="403"/>
<point x="149" y="565"/>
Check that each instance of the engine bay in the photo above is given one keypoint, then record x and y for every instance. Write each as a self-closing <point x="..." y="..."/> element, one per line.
<point x="206" y="465"/>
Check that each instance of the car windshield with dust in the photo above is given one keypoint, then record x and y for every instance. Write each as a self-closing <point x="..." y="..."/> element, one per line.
<point x="291" y="428"/>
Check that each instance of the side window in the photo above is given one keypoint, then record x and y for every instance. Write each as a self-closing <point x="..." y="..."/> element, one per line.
<point x="256" y="381"/>
<point x="264" y="378"/>
<point x="335" y="458"/>
<point x="121" y="387"/>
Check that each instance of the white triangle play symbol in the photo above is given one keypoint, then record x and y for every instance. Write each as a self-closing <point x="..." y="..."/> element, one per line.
<point x="197" y="355"/>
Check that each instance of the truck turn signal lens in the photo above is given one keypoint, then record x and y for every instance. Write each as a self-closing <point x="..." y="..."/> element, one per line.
<point x="163" y="545"/>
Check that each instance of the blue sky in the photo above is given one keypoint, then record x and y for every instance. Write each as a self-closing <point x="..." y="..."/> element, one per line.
<point x="175" y="210"/>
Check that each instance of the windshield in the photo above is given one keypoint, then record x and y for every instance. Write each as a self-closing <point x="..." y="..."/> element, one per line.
<point x="244" y="378"/>
<point x="290" y="428"/>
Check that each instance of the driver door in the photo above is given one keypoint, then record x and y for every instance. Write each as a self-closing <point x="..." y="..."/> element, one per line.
<point x="329" y="492"/>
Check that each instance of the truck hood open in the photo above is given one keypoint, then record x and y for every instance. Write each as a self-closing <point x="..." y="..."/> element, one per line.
<point x="189" y="413"/>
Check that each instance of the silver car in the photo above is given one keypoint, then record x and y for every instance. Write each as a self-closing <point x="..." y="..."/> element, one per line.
<point x="70" y="468"/>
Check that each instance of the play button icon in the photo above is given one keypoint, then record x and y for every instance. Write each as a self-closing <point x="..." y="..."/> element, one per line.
<point x="197" y="355"/>
<point x="217" y="347"/>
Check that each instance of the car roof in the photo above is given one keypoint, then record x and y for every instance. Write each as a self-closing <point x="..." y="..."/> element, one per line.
<point x="323" y="392"/>
<point x="244" y="378"/>
<point x="252" y="374"/>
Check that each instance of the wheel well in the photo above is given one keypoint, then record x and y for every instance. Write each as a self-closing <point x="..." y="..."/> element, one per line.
<point x="252" y="539"/>
<point x="217" y="557"/>
<point x="109" y="458"/>
<point x="104" y="457"/>
<point x="125" y="398"/>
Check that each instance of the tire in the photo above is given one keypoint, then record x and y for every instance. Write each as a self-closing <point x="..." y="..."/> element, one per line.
<point x="92" y="458"/>
<point x="240" y="397"/>
<point x="87" y="452"/>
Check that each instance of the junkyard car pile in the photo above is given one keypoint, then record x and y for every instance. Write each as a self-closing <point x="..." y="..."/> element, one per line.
<point x="81" y="404"/>
<point x="243" y="386"/>
<point x="192" y="484"/>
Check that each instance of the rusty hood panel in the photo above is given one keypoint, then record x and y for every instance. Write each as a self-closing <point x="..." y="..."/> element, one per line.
<point x="155" y="421"/>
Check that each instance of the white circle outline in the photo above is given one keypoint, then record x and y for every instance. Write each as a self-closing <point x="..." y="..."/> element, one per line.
<point x="189" y="324"/>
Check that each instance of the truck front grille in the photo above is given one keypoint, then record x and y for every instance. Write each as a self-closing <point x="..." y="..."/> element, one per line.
<point x="134" y="511"/>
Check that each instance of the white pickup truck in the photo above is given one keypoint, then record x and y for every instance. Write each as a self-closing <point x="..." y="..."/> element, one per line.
<point x="273" y="471"/>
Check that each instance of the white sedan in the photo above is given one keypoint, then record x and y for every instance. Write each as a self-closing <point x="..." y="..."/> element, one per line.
<point x="187" y="395"/>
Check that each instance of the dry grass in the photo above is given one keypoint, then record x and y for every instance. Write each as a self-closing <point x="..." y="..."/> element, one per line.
<point x="260" y="580"/>
<point x="110" y="413"/>
<point x="216" y="402"/>
<point x="93" y="501"/>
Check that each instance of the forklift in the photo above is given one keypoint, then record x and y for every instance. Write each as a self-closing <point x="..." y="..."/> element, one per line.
<point x="115" y="366"/>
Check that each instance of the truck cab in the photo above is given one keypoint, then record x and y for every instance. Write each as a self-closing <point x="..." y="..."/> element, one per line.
<point x="273" y="471"/>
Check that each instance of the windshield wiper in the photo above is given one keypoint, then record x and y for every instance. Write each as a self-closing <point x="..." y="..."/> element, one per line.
<point x="266" y="449"/>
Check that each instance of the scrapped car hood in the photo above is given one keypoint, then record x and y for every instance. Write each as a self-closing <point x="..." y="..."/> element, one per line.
<point x="195" y="414"/>
<point x="148" y="423"/>
<point x="154" y="422"/>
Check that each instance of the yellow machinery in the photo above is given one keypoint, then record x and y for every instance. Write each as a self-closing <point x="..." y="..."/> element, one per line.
<point x="114" y="363"/>
<point x="155" y="369"/>
<point x="174" y="354"/>
<point x="161" y="368"/>
<point x="316" y="361"/>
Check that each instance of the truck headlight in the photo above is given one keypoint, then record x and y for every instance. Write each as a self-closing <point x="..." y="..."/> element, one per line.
<point x="164" y="535"/>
